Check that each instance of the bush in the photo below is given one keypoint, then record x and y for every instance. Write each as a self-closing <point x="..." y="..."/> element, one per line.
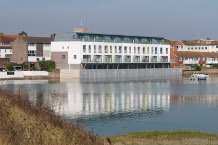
<point x="25" y="66"/>
<point x="47" y="65"/>
<point x="33" y="68"/>
<point x="198" y="68"/>
<point x="215" y="66"/>
<point x="9" y="67"/>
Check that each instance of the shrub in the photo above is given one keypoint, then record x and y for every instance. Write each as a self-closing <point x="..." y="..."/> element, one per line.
<point x="198" y="68"/>
<point x="33" y="68"/>
<point x="25" y="67"/>
<point x="47" y="65"/>
<point x="215" y="66"/>
<point x="9" y="67"/>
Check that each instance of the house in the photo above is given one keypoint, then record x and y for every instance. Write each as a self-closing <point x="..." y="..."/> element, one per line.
<point x="188" y="58"/>
<point x="84" y="50"/>
<point x="31" y="50"/>
<point x="5" y="40"/>
<point x="5" y="52"/>
<point x="194" y="45"/>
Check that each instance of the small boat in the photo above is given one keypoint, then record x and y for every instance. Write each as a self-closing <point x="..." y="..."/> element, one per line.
<point x="199" y="76"/>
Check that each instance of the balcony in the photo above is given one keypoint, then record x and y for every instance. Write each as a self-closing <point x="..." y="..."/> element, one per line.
<point x="211" y="62"/>
<point x="127" y="58"/>
<point x="190" y="62"/>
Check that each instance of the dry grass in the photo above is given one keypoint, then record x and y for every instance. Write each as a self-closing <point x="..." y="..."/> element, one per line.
<point x="187" y="137"/>
<point x="22" y="122"/>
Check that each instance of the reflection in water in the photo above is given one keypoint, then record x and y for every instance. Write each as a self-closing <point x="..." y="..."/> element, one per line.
<point x="145" y="104"/>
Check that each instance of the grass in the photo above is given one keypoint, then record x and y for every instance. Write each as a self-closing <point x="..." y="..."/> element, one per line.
<point x="166" y="137"/>
<point x="22" y="122"/>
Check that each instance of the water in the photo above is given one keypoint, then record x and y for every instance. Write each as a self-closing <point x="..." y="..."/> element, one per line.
<point x="110" y="107"/>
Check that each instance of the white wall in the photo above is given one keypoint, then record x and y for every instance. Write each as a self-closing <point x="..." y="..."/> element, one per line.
<point x="3" y="53"/>
<point x="22" y="74"/>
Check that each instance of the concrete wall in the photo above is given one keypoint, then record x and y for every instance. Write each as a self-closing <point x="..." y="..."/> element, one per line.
<point x="72" y="74"/>
<point x="22" y="74"/>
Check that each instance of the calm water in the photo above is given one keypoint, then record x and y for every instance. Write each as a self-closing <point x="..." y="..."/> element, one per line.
<point x="106" y="107"/>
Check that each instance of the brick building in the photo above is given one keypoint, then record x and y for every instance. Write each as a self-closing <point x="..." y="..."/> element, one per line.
<point x="187" y="58"/>
<point x="31" y="49"/>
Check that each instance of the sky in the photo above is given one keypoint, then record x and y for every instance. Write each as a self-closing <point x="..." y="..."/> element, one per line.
<point x="172" y="19"/>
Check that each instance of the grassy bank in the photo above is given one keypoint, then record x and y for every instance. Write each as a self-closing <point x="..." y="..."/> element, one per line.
<point x="22" y="122"/>
<point x="187" y="137"/>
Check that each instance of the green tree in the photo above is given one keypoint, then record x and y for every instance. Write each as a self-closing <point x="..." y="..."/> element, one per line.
<point x="9" y="67"/>
<point x="53" y="35"/>
<point x="1" y="33"/>
<point x="23" y="33"/>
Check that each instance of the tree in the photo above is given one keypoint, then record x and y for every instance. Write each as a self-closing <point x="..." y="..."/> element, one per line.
<point x="1" y="33"/>
<point x="47" y="65"/>
<point x="23" y="33"/>
<point x="53" y="35"/>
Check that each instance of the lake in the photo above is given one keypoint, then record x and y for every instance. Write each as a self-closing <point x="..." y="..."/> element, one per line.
<point x="116" y="107"/>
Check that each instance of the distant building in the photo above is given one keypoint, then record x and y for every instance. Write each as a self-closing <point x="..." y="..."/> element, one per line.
<point x="76" y="50"/>
<point x="194" y="45"/>
<point x="31" y="49"/>
<point x="187" y="58"/>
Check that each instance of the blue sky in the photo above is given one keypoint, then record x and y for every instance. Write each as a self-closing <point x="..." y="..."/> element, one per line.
<point x="172" y="19"/>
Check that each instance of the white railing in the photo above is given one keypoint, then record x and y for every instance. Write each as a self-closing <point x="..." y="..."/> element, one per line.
<point x="211" y="62"/>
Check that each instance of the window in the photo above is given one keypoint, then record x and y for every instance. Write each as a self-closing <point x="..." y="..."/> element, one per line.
<point x="115" y="49"/>
<point x="84" y="48"/>
<point x="166" y="50"/>
<point x="147" y="50"/>
<point x="195" y="48"/>
<point x="143" y="50"/>
<point x="95" y="50"/>
<point x="129" y="49"/>
<point x="31" y="53"/>
<point x="68" y="47"/>
<point x="99" y="49"/>
<point x="125" y="49"/>
<point x="31" y="44"/>
<point x="5" y="50"/>
<point x="155" y="50"/>
<point x="202" y="48"/>
<point x="74" y="56"/>
<point x="217" y="46"/>
<point x="73" y="36"/>
<point x="110" y="49"/>
<point x="138" y="50"/>
<point x="89" y="48"/>
<point x="120" y="49"/>
<point x="188" y="48"/>
<point x="199" y="48"/>
<point x="192" y="48"/>
<point x="63" y="56"/>
<point x="10" y="50"/>
<point x="105" y="49"/>
<point x="180" y="58"/>
<point x="62" y="47"/>
<point x="134" y="50"/>
<point x="152" y="50"/>
<point x="205" y="47"/>
<point x="161" y="50"/>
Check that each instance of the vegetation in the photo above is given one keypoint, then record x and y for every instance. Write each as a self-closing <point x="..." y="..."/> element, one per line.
<point x="25" y="66"/>
<point x="1" y="33"/>
<point x="22" y="122"/>
<point x="53" y="35"/>
<point x="23" y="33"/>
<point x="47" y="65"/>
<point x="33" y="68"/>
<point x="9" y="67"/>
<point x="196" y="67"/>
<point x="215" y="66"/>
<point x="166" y="137"/>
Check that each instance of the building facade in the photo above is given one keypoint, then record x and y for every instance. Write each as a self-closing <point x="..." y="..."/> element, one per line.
<point x="5" y="52"/>
<point x="31" y="49"/>
<point x="187" y="58"/>
<point x="105" y="51"/>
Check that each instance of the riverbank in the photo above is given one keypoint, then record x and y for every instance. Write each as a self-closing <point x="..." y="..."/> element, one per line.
<point x="186" y="137"/>
<point x="22" y="122"/>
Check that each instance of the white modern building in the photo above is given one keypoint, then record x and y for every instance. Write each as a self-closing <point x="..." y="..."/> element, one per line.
<point x="82" y="50"/>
